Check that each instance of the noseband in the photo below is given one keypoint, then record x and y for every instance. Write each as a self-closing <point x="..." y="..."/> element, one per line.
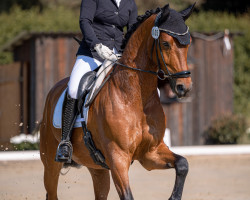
<point x="161" y="74"/>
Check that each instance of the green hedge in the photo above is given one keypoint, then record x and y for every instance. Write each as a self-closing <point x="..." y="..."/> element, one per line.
<point x="226" y="129"/>
<point x="17" y="20"/>
<point x="63" y="19"/>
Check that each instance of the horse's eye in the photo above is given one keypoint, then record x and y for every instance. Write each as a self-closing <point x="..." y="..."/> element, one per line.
<point x="166" y="45"/>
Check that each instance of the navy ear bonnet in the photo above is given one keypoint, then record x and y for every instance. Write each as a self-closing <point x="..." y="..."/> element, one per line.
<point x="173" y="23"/>
<point x="176" y="27"/>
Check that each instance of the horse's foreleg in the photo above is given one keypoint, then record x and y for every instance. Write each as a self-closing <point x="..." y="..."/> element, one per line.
<point x="101" y="182"/>
<point x="119" y="166"/>
<point x="163" y="158"/>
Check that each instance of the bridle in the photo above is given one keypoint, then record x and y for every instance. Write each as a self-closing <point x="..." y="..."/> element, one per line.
<point x="156" y="44"/>
<point x="161" y="74"/>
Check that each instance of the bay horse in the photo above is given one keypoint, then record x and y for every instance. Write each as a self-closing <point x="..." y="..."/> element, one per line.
<point x="126" y="118"/>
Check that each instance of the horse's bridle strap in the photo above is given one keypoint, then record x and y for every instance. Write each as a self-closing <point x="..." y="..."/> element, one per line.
<point x="169" y="75"/>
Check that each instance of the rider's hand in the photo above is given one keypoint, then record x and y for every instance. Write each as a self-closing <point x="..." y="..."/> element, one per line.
<point x="105" y="53"/>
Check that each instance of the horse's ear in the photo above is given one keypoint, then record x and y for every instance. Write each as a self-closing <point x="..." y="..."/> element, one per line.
<point x="165" y="13"/>
<point x="187" y="12"/>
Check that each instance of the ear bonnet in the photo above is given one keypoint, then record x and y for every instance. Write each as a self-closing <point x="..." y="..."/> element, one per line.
<point x="173" y="23"/>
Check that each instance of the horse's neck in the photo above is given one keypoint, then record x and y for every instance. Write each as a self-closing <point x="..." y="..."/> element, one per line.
<point x="137" y="55"/>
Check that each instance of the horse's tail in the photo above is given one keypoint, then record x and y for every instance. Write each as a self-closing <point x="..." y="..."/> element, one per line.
<point x="78" y="41"/>
<point x="37" y="128"/>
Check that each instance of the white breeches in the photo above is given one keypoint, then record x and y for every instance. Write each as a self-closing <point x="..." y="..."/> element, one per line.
<point x="82" y="65"/>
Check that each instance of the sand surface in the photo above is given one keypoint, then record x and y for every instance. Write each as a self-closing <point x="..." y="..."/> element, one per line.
<point x="209" y="178"/>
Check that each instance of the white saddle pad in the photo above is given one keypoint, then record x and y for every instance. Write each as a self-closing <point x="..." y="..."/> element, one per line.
<point x="57" y="116"/>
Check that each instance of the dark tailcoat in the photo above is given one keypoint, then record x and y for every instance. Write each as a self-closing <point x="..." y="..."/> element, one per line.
<point x="101" y="21"/>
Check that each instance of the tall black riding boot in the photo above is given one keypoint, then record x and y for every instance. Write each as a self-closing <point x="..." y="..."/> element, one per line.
<point x="69" y="114"/>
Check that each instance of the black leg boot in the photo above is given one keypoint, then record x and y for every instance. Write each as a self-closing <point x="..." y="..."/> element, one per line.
<point x="69" y="114"/>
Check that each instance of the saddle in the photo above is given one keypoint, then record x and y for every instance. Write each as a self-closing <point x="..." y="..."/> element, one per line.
<point x="98" y="79"/>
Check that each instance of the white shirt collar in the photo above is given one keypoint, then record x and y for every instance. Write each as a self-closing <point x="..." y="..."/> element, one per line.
<point x="118" y="2"/>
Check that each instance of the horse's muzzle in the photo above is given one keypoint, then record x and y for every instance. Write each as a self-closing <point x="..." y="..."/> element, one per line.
<point x="181" y="90"/>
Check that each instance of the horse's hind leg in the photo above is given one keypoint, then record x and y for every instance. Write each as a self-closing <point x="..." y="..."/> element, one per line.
<point x="101" y="182"/>
<point x="163" y="158"/>
<point x="52" y="169"/>
<point x="51" y="176"/>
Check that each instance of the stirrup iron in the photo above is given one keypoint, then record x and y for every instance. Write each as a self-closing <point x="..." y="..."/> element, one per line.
<point x="70" y="148"/>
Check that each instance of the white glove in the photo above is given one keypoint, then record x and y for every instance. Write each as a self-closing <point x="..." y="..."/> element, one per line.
<point x="105" y="53"/>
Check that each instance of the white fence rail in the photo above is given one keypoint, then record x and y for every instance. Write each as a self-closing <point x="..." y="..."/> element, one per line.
<point x="185" y="150"/>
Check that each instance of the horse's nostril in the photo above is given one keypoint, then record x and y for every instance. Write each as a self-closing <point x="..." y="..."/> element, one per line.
<point x="180" y="88"/>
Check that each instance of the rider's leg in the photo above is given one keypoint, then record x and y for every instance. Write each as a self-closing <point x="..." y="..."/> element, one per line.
<point x="83" y="65"/>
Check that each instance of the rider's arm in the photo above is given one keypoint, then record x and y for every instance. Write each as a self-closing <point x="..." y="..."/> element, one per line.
<point x="87" y="13"/>
<point x="133" y="15"/>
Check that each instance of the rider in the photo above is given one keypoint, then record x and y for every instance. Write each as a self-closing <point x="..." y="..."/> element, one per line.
<point x="101" y="23"/>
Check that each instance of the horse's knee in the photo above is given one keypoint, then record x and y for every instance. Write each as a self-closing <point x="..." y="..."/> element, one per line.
<point x="181" y="166"/>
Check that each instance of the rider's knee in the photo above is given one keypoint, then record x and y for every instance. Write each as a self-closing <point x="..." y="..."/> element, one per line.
<point x="72" y="92"/>
<point x="85" y="83"/>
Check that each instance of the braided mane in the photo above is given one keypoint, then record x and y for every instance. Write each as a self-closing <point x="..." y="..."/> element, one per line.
<point x="140" y="19"/>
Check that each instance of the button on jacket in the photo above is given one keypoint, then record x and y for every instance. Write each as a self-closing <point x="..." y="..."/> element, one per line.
<point x="102" y="21"/>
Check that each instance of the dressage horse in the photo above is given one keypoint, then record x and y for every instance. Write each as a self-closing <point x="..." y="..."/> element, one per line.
<point x="126" y="118"/>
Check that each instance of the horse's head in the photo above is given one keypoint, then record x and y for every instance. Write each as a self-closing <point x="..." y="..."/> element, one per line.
<point x="169" y="52"/>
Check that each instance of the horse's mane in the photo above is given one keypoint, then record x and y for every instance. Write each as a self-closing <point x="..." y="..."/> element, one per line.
<point x="140" y="19"/>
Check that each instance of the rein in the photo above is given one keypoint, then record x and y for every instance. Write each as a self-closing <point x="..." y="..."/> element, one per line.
<point x="160" y="73"/>
<point x="136" y="69"/>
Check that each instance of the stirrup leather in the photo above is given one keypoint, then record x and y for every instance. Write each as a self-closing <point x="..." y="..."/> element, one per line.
<point x="70" y="148"/>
